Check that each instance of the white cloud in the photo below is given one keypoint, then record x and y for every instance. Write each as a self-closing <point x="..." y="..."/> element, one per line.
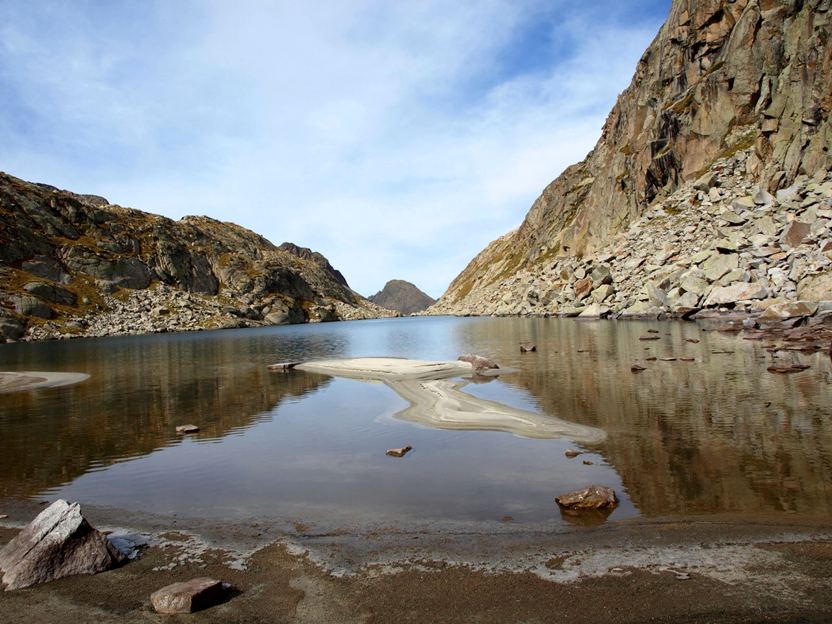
<point x="389" y="136"/>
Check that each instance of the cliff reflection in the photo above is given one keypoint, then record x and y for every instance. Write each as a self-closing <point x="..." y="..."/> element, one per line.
<point x="138" y="392"/>
<point x="716" y="435"/>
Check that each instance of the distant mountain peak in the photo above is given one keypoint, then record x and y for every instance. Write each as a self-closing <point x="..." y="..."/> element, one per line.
<point x="403" y="297"/>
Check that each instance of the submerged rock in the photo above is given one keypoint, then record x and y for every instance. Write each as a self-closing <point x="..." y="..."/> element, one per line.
<point x="59" y="542"/>
<point x="589" y="498"/>
<point x="190" y="596"/>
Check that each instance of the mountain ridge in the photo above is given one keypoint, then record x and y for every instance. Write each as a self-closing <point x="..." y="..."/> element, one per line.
<point x="75" y="265"/>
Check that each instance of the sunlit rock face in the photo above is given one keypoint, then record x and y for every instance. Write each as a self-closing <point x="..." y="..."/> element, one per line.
<point x="720" y="78"/>
<point x="75" y="265"/>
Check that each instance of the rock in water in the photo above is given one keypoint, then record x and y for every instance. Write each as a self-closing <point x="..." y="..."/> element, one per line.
<point x="589" y="498"/>
<point x="183" y="429"/>
<point x="187" y="597"/>
<point x="399" y="452"/>
<point x="478" y="362"/>
<point x="58" y="542"/>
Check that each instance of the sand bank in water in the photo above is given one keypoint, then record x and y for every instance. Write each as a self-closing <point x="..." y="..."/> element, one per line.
<point x="436" y="401"/>
<point x="31" y="380"/>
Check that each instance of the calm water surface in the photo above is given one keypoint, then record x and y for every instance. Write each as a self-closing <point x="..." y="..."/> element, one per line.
<point x="716" y="435"/>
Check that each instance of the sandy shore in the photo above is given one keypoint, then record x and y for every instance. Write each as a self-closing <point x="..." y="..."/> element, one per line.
<point x="435" y="401"/>
<point x="699" y="569"/>
<point x="32" y="380"/>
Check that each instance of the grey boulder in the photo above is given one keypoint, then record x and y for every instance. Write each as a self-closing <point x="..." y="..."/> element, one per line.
<point x="59" y="542"/>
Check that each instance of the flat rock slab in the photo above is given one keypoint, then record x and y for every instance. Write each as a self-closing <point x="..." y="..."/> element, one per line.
<point x="33" y="380"/>
<point x="188" y="597"/>
<point x="59" y="542"/>
<point x="187" y="429"/>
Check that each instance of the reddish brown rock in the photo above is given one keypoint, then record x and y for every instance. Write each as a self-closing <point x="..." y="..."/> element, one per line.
<point x="582" y="288"/>
<point x="589" y="498"/>
<point x="188" y="597"/>
<point x="571" y="453"/>
<point x="796" y="233"/>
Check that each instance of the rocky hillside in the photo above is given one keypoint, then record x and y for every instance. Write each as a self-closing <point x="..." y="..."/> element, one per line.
<point x="75" y="265"/>
<point x="402" y="297"/>
<point x="712" y="154"/>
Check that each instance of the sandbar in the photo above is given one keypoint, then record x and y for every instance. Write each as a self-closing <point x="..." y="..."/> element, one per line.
<point x="437" y="401"/>
<point x="32" y="380"/>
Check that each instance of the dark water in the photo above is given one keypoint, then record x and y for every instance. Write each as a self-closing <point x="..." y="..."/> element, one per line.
<point x="716" y="435"/>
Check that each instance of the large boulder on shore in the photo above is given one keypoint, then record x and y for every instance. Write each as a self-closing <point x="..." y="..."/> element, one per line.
<point x="58" y="542"/>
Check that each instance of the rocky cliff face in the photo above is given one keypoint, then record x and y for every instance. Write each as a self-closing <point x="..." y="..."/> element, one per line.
<point x="402" y="297"/>
<point x="732" y="96"/>
<point x="75" y="265"/>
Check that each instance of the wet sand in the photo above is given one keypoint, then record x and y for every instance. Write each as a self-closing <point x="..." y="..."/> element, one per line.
<point x="705" y="569"/>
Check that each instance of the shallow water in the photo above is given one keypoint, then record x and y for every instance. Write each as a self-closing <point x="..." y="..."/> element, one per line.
<point x="716" y="435"/>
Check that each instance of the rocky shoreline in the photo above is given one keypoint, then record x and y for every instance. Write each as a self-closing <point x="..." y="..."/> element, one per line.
<point x="719" y="244"/>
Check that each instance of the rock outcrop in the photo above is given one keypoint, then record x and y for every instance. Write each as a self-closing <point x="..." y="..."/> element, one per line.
<point x="402" y="297"/>
<point x="75" y="265"/>
<point x="709" y="185"/>
<point x="59" y="542"/>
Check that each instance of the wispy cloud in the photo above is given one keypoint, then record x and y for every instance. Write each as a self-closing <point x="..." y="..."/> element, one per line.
<point x="396" y="138"/>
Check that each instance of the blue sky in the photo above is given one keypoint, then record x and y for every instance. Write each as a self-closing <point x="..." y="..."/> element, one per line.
<point x="396" y="138"/>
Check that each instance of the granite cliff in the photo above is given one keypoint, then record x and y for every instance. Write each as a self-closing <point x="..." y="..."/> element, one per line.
<point x="75" y="265"/>
<point x="402" y="297"/>
<point x="716" y="149"/>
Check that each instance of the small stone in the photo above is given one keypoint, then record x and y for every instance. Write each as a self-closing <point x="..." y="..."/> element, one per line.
<point x="399" y="452"/>
<point x="478" y="362"/>
<point x="187" y="429"/>
<point x="188" y="597"/>
<point x="636" y="368"/>
<point x="649" y="338"/>
<point x="527" y="348"/>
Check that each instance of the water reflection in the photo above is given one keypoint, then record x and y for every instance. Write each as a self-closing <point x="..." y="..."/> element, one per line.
<point x="139" y="390"/>
<point x="714" y="435"/>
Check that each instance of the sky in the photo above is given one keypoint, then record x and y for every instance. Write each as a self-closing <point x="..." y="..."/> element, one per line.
<point x="396" y="138"/>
